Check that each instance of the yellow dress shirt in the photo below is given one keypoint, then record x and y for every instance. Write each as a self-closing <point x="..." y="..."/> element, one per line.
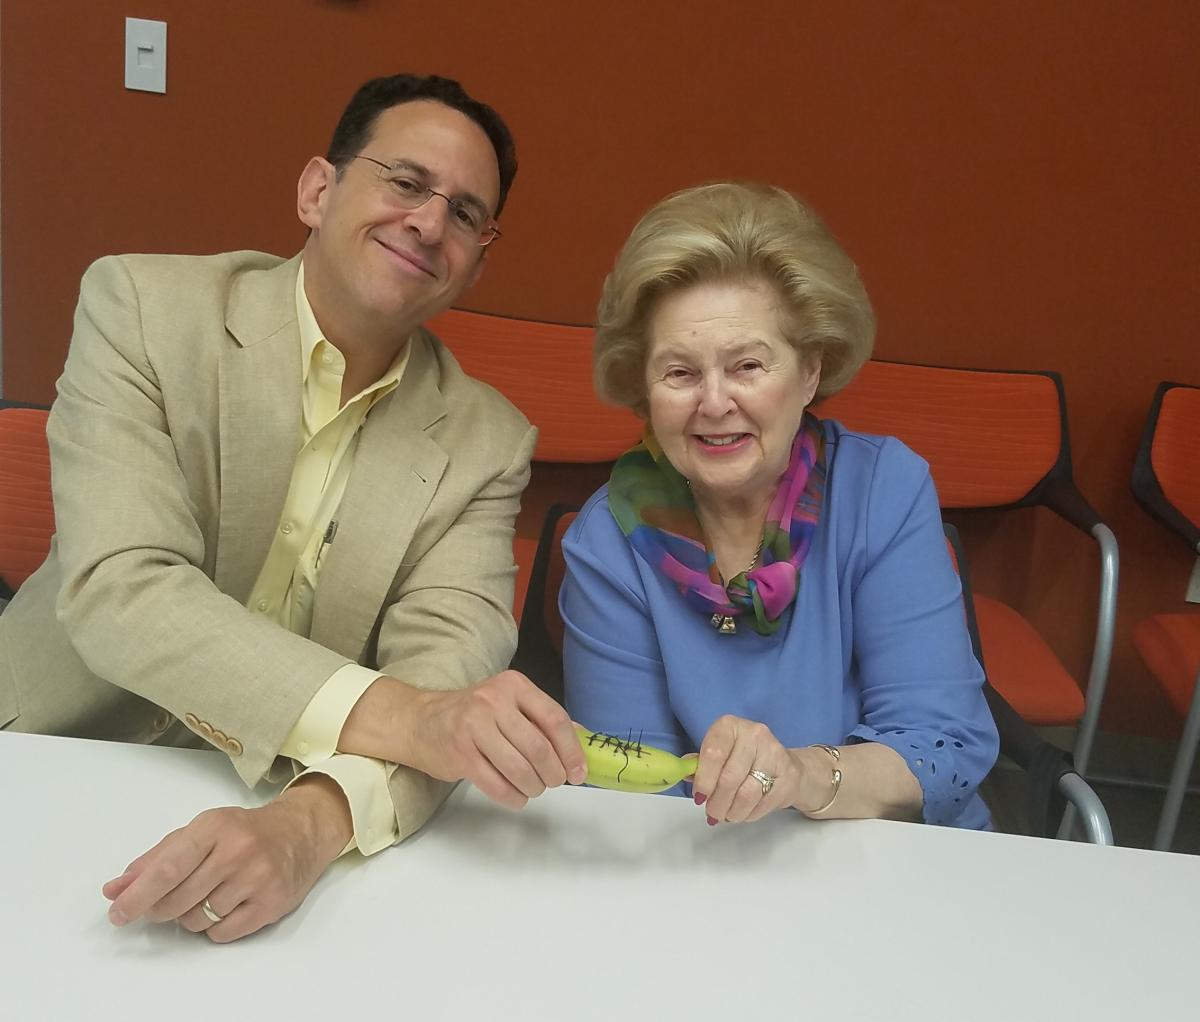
<point x="285" y="587"/>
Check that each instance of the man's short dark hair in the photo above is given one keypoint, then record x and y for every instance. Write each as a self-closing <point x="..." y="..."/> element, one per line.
<point x="354" y="128"/>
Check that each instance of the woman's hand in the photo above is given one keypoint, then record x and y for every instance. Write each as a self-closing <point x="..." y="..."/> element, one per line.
<point x="723" y="782"/>
<point x="876" y="781"/>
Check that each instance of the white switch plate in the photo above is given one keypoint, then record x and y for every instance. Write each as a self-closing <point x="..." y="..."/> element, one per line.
<point x="1193" y="591"/>
<point x="145" y="55"/>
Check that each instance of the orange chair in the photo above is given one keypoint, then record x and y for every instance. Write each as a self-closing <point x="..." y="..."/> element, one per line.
<point x="26" y="507"/>
<point x="999" y="440"/>
<point x="545" y="369"/>
<point x="1166" y="482"/>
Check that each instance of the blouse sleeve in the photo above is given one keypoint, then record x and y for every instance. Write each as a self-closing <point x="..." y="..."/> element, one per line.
<point x="921" y="685"/>
<point x="613" y="669"/>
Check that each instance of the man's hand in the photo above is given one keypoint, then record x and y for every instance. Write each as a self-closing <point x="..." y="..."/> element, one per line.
<point x="253" y="865"/>
<point x="504" y="735"/>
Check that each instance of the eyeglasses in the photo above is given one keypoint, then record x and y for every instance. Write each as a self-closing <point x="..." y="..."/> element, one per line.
<point x="407" y="192"/>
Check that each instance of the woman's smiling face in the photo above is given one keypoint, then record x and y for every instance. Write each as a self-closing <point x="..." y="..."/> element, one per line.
<point x="726" y="390"/>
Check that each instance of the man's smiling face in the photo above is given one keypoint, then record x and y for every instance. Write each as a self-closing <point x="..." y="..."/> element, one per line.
<point x="371" y="259"/>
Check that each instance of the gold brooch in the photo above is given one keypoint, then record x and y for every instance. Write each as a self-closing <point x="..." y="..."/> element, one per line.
<point x="723" y="624"/>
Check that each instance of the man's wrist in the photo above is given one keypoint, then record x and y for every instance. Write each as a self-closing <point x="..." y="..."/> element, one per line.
<point x="380" y="724"/>
<point x="325" y="811"/>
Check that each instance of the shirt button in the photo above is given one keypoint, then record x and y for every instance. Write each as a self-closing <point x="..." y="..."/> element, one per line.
<point x="327" y="358"/>
<point x="302" y="748"/>
<point x="262" y="604"/>
<point x="286" y="528"/>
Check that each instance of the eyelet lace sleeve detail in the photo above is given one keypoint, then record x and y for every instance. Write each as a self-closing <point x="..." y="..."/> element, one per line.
<point x="947" y="768"/>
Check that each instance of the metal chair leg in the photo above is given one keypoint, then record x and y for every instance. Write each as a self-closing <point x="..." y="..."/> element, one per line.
<point x="1180" y="774"/>
<point x="1106" y="615"/>
<point x="1093" y="815"/>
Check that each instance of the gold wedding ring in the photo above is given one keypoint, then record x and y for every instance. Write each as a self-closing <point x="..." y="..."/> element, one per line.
<point x="766" y="780"/>
<point x="210" y="912"/>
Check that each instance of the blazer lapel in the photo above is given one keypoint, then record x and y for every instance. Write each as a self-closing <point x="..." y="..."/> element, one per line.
<point x="396" y="471"/>
<point x="260" y="424"/>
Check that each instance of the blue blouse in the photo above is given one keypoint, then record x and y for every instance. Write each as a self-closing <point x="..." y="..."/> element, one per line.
<point x="875" y="648"/>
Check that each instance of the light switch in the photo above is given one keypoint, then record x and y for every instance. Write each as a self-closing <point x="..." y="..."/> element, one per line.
<point x="145" y="55"/>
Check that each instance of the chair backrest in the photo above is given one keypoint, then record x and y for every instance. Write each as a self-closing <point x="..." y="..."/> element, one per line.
<point x="958" y="558"/>
<point x="540" y="638"/>
<point x="26" y="506"/>
<point x="1166" y="472"/>
<point x="545" y="369"/>
<point x="992" y="439"/>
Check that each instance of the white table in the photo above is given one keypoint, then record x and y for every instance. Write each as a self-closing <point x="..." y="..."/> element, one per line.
<point x="587" y="905"/>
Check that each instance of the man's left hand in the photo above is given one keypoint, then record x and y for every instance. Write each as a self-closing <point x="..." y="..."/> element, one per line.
<point x="253" y="866"/>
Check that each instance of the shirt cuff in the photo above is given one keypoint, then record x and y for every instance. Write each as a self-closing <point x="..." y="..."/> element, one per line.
<point x="315" y="735"/>
<point x="364" y="782"/>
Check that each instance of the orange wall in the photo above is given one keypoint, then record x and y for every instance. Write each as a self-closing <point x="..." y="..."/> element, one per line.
<point x="1017" y="182"/>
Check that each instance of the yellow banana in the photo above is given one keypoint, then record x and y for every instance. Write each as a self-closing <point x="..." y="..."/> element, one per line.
<point x="625" y="764"/>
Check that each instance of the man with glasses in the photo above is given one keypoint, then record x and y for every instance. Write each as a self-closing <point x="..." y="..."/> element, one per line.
<point x="285" y="524"/>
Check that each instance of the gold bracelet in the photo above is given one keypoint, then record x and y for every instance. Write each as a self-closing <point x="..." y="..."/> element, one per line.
<point x="835" y="780"/>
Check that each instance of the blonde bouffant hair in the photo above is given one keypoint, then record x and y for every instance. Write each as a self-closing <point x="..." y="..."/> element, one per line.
<point x="727" y="231"/>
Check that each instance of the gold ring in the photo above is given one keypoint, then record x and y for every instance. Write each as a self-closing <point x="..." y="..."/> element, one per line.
<point x="208" y="910"/>
<point x="766" y="780"/>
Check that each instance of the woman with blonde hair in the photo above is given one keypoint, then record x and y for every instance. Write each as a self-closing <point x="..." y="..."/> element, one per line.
<point x="755" y="583"/>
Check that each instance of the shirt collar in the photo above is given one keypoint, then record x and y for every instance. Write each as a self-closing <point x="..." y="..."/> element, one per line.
<point x="312" y="336"/>
<point x="310" y="333"/>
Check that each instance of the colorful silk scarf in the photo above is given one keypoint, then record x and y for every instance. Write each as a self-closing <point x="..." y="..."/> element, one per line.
<point x="653" y="506"/>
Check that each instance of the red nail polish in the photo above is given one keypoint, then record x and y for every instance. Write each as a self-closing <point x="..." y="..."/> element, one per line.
<point x="712" y="822"/>
<point x="700" y="799"/>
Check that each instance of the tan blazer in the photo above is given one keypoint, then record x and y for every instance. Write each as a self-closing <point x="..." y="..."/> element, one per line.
<point x="172" y="442"/>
